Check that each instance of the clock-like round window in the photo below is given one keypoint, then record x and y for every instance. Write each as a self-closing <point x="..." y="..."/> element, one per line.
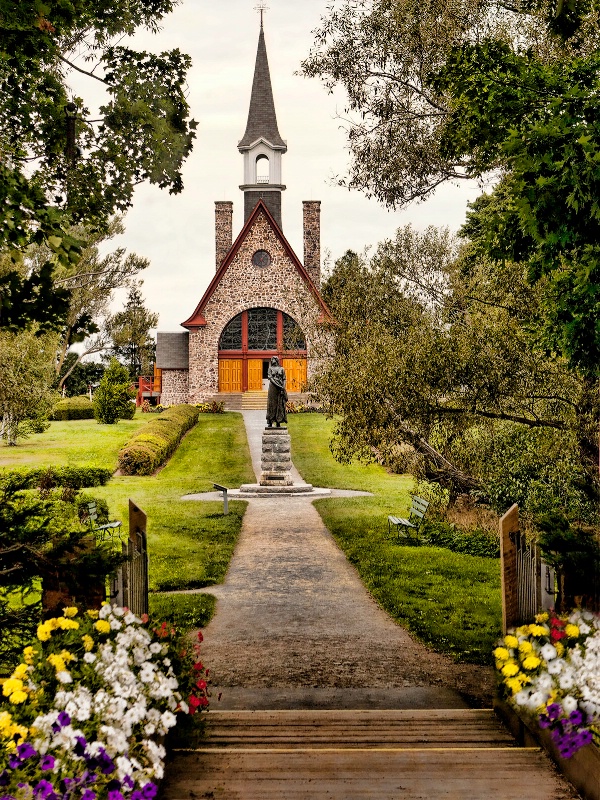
<point x="261" y="258"/>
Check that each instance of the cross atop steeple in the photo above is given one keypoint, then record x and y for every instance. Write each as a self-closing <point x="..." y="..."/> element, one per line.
<point x="262" y="7"/>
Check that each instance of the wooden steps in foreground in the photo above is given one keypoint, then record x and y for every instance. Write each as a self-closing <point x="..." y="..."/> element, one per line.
<point x="457" y="754"/>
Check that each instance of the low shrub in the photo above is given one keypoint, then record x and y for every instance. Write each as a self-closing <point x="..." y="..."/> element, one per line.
<point x="52" y="477"/>
<point x="158" y="440"/>
<point x="302" y="408"/>
<point x="213" y="407"/>
<point x="476" y="542"/>
<point x="73" y="408"/>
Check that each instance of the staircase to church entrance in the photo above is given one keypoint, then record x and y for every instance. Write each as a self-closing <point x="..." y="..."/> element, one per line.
<point x="252" y="401"/>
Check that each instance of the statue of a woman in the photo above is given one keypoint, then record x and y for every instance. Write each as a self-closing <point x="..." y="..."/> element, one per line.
<point x="277" y="397"/>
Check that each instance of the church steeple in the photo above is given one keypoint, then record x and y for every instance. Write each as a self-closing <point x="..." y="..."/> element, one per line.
<point x="262" y="145"/>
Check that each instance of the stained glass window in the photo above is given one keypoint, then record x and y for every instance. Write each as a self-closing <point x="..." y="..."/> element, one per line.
<point x="262" y="329"/>
<point x="293" y="338"/>
<point x="231" y="338"/>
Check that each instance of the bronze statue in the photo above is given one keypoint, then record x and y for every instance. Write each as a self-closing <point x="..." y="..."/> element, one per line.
<point x="277" y="397"/>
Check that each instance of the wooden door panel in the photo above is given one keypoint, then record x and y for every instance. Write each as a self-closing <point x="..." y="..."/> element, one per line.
<point x="295" y="371"/>
<point x="254" y="374"/>
<point x="230" y="375"/>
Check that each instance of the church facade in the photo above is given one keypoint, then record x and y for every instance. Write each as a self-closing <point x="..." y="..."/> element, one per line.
<point x="263" y="301"/>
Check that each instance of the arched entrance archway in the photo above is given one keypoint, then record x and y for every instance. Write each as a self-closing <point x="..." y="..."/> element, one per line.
<point x="248" y="342"/>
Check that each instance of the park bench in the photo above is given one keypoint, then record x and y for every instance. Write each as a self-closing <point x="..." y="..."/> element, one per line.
<point x="92" y="518"/>
<point x="409" y="528"/>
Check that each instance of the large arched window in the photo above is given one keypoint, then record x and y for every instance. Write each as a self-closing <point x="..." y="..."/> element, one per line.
<point x="262" y="329"/>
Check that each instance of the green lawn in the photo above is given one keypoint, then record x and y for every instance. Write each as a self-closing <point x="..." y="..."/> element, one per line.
<point x="73" y="443"/>
<point x="189" y="543"/>
<point x="449" y="600"/>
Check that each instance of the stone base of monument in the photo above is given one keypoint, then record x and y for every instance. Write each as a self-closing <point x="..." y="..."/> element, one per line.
<point x="276" y="466"/>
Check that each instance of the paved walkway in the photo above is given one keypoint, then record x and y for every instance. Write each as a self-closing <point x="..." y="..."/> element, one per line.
<point x="295" y="626"/>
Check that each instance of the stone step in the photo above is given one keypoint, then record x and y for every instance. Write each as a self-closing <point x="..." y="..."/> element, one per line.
<point x="456" y="754"/>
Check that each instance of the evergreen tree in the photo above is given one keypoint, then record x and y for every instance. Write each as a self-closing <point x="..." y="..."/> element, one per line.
<point x="113" y="397"/>
<point x="132" y="343"/>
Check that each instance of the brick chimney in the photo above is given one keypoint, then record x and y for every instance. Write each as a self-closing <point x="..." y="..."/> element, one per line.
<point x="223" y="229"/>
<point x="312" y="239"/>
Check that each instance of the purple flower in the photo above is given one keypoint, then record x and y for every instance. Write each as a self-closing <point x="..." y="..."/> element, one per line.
<point x="14" y="762"/>
<point x="4" y="778"/>
<point x="7" y="797"/>
<point x="128" y="782"/>
<point x="554" y="711"/>
<point x="43" y="789"/>
<point x="63" y="719"/>
<point x="105" y="762"/>
<point x="544" y="721"/>
<point x="137" y="795"/>
<point x="47" y="763"/>
<point x="576" y="717"/>
<point x="80" y="746"/>
<point x="115" y="795"/>
<point x="25" y="751"/>
<point x="149" y="791"/>
<point x="88" y="795"/>
<point x="114" y="785"/>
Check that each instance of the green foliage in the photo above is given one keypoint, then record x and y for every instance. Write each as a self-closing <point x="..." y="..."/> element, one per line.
<point x="73" y="408"/>
<point x="82" y="170"/>
<point x="130" y="332"/>
<point x="76" y="477"/>
<point x="77" y="376"/>
<point x="477" y="542"/>
<point x="157" y="441"/>
<point x="113" y="397"/>
<point x="185" y="611"/>
<point x="214" y="407"/>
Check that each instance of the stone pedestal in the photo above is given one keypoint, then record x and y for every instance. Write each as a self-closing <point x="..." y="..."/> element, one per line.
<point x="276" y="459"/>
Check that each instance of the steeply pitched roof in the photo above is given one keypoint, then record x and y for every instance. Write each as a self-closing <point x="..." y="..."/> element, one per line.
<point x="197" y="320"/>
<point x="262" y="120"/>
<point x="172" y="350"/>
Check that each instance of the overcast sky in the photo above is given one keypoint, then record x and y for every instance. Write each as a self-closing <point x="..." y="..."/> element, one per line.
<point x="176" y="232"/>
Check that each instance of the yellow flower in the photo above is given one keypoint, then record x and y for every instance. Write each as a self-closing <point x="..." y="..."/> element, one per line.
<point x="538" y="630"/>
<point x="70" y="611"/>
<point x="523" y="630"/>
<point x="102" y="626"/>
<point x="542" y="617"/>
<point x="531" y="662"/>
<point x="92" y="613"/>
<point x="560" y="648"/>
<point x="57" y="662"/>
<point x="20" y="672"/>
<point x="66" y="624"/>
<point x="510" y="669"/>
<point x="511" y="641"/>
<point x="501" y="653"/>
<point x="44" y="632"/>
<point x="88" y="642"/>
<point x="515" y="684"/>
<point x="5" y="723"/>
<point x="572" y="630"/>
<point x="28" y="653"/>
<point x="18" y="697"/>
<point x="525" y="647"/>
<point x="11" y="685"/>
<point x="67" y="656"/>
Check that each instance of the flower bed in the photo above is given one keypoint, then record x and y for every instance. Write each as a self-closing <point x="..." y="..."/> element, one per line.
<point x="550" y="671"/>
<point x="85" y="714"/>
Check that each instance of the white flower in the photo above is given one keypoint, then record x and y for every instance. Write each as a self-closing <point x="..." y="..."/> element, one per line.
<point x="521" y="698"/>
<point x="118" y="611"/>
<point x="566" y="680"/>
<point x="569" y="704"/>
<point x="536" y="699"/>
<point x="548" y="652"/>
<point x="155" y="647"/>
<point x="115" y="625"/>
<point x="544" y="682"/>
<point x="105" y="611"/>
<point x="584" y="628"/>
<point x="168" y="719"/>
<point x="555" y="667"/>
<point x="89" y="658"/>
<point x="64" y="676"/>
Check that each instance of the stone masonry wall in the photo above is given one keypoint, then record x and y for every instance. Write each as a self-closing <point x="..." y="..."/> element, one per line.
<point x="245" y="286"/>
<point x="175" y="387"/>
<point x="312" y="239"/>
<point x="223" y="229"/>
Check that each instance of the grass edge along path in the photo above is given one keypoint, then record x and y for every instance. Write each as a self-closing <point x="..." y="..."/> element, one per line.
<point x="190" y="543"/>
<point x="450" y="601"/>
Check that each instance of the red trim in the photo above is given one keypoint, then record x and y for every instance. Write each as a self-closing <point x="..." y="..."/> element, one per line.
<point x="197" y="319"/>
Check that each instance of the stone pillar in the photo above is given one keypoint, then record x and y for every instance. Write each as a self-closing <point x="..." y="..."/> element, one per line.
<point x="312" y="239"/>
<point x="223" y="229"/>
<point x="276" y="459"/>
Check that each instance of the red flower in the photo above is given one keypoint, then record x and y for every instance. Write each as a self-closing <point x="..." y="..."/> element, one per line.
<point x="200" y="637"/>
<point x="198" y="666"/>
<point x="144" y="618"/>
<point x="201" y="684"/>
<point x="555" y="635"/>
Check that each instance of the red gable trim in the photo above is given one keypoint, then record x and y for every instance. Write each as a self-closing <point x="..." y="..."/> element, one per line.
<point x="197" y="319"/>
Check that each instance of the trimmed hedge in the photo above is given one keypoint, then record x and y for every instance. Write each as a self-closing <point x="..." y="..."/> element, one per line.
<point x="73" y="408"/>
<point x="158" y="440"/>
<point x="49" y="477"/>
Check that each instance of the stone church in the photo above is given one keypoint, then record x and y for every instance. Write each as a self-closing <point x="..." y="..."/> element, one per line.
<point x="263" y="301"/>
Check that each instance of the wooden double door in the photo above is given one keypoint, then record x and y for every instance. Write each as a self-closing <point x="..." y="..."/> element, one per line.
<point x="248" y="374"/>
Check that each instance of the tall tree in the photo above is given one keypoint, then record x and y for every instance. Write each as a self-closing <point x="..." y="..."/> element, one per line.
<point x="59" y="166"/>
<point x="130" y="332"/>
<point x="433" y="353"/>
<point x="385" y="54"/>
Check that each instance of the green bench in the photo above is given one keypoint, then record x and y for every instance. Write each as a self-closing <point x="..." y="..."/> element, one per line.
<point x="409" y="528"/>
<point x="92" y="518"/>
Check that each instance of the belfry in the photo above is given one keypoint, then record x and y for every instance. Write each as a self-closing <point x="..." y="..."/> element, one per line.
<point x="263" y="301"/>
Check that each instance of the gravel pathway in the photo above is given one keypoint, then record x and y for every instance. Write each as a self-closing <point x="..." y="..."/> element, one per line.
<point x="293" y="617"/>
